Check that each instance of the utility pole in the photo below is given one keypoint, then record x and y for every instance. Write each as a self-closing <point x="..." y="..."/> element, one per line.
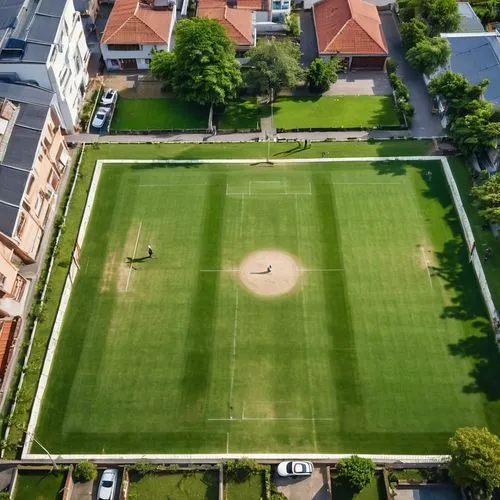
<point x="56" y="467"/>
<point x="272" y="125"/>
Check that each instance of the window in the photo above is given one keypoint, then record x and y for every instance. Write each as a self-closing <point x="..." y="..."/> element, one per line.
<point x="20" y="226"/>
<point x="114" y="62"/>
<point x="124" y="47"/>
<point x="2" y="281"/>
<point x="30" y="184"/>
<point x="39" y="204"/>
<point x="19" y="286"/>
<point x="147" y="61"/>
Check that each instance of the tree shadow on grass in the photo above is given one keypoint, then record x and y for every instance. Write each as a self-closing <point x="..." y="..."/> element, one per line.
<point x="390" y="167"/>
<point x="149" y="166"/>
<point x="457" y="275"/>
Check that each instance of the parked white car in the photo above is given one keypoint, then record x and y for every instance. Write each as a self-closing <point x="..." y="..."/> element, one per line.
<point x="100" y="117"/>
<point x="107" y="486"/>
<point x="291" y="468"/>
<point x="109" y="97"/>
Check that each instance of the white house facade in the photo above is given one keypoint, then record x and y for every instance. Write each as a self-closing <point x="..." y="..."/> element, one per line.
<point x="47" y="46"/>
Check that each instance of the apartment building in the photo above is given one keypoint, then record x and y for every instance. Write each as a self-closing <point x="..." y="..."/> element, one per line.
<point x="33" y="158"/>
<point x="43" y="42"/>
<point x="134" y="29"/>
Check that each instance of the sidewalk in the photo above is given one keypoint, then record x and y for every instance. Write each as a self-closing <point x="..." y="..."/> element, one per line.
<point x="243" y="137"/>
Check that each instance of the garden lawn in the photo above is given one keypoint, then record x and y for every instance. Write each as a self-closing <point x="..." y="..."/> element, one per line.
<point x="251" y="489"/>
<point x="374" y="491"/>
<point x="335" y="112"/>
<point x="39" y="485"/>
<point x="172" y="353"/>
<point x="244" y="114"/>
<point x="158" y="114"/>
<point x="175" y="486"/>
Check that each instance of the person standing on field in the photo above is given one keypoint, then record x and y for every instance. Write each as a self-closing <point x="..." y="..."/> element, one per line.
<point x="150" y="251"/>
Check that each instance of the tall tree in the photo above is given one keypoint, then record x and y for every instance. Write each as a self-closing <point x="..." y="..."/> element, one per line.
<point x="321" y="74"/>
<point x="428" y="54"/>
<point x="202" y="67"/>
<point x="475" y="460"/>
<point x="441" y="15"/>
<point x="413" y="32"/>
<point x="356" y="471"/>
<point x="273" y="65"/>
<point x="487" y="196"/>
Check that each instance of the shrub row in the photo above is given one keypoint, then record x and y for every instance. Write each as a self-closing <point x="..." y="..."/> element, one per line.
<point x="401" y="94"/>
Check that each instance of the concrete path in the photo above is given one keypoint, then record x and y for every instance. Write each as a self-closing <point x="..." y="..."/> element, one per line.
<point x="317" y="486"/>
<point x="425" y="124"/>
<point x="244" y="137"/>
<point x="308" y="48"/>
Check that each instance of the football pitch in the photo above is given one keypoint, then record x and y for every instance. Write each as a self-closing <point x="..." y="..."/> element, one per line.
<point x="354" y="341"/>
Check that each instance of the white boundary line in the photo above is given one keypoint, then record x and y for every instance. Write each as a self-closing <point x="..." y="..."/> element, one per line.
<point x="133" y="256"/>
<point x="233" y="352"/>
<point x="426" y="266"/>
<point x="210" y="458"/>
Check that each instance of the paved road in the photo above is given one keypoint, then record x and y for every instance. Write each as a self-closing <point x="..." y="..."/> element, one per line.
<point x="425" y="124"/>
<point x="314" y="487"/>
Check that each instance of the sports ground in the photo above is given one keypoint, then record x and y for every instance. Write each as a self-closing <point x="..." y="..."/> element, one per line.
<point x="185" y="353"/>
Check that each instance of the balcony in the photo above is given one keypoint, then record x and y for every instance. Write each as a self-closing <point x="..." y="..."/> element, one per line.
<point x="10" y="307"/>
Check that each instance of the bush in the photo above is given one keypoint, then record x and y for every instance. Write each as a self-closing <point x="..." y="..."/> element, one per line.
<point x="406" y="110"/>
<point x="321" y="74"/>
<point x="240" y="470"/>
<point x="4" y="495"/>
<point x="390" y="66"/>
<point x="356" y="471"/>
<point x="292" y="25"/>
<point x="85" y="471"/>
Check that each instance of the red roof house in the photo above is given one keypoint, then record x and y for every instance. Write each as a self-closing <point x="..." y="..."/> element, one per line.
<point x="350" y="29"/>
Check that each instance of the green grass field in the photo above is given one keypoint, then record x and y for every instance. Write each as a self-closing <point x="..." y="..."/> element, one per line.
<point x="244" y="114"/>
<point x="158" y="114"/>
<point x="382" y="348"/>
<point x="335" y="112"/>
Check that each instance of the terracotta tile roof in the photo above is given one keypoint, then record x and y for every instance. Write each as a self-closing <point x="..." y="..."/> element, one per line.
<point x="348" y="27"/>
<point x="7" y="331"/>
<point x="250" y="4"/>
<point x="238" y="23"/>
<point x="132" y="22"/>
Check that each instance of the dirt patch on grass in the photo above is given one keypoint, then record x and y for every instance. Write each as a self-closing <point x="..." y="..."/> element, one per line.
<point x="281" y="278"/>
<point x="425" y="256"/>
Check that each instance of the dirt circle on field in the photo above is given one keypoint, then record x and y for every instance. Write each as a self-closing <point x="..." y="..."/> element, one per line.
<point x="282" y="279"/>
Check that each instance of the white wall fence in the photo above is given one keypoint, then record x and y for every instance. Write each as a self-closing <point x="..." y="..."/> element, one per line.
<point x="408" y="460"/>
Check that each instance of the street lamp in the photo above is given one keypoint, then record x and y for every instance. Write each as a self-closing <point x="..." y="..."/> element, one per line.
<point x="56" y="467"/>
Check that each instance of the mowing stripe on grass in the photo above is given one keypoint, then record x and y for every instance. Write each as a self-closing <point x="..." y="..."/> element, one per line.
<point x="344" y="368"/>
<point x="201" y="329"/>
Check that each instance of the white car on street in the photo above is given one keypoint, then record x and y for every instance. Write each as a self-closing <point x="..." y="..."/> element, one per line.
<point x="292" y="468"/>
<point x="100" y="117"/>
<point x="109" y="96"/>
<point x="107" y="486"/>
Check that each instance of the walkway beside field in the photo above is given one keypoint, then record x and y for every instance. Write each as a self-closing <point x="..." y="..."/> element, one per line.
<point x="240" y="137"/>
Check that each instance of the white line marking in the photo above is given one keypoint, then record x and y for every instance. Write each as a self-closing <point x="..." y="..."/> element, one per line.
<point x="133" y="256"/>
<point x="233" y="357"/>
<point x="366" y="183"/>
<point x="171" y="185"/>
<point x="263" y="419"/>
<point x="322" y="270"/>
<point x="227" y="442"/>
<point x="427" y="266"/>
<point x="242" y="214"/>
<point x="219" y="270"/>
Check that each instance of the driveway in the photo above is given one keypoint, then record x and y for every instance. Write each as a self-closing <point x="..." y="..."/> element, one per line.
<point x="317" y="486"/>
<point x="425" y="124"/>
<point x="308" y="48"/>
<point x="361" y="83"/>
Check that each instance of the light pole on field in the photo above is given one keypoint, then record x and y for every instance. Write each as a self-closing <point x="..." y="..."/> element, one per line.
<point x="56" y="467"/>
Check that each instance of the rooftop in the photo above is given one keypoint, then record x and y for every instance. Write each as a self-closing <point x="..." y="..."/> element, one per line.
<point x="237" y="21"/>
<point x="469" y="22"/>
<point x="476" y="56"/>
<point x="20" y="146"/>
<point x="27" y="32"/>
<point x="136" y="22"/>
<point x="348" y="27"/>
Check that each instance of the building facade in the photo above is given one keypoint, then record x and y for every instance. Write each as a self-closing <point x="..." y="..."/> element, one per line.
<point x="33" y="158"/>
<point x="136" y="28"/>
<point x="44" y="44"/>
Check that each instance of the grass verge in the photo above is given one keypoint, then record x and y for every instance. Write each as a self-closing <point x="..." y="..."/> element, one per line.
<point x="39" y="485"/>
<point x="244" y="114"/>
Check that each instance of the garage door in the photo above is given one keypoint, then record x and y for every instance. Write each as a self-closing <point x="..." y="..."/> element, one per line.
<point x="367" y="63"/>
